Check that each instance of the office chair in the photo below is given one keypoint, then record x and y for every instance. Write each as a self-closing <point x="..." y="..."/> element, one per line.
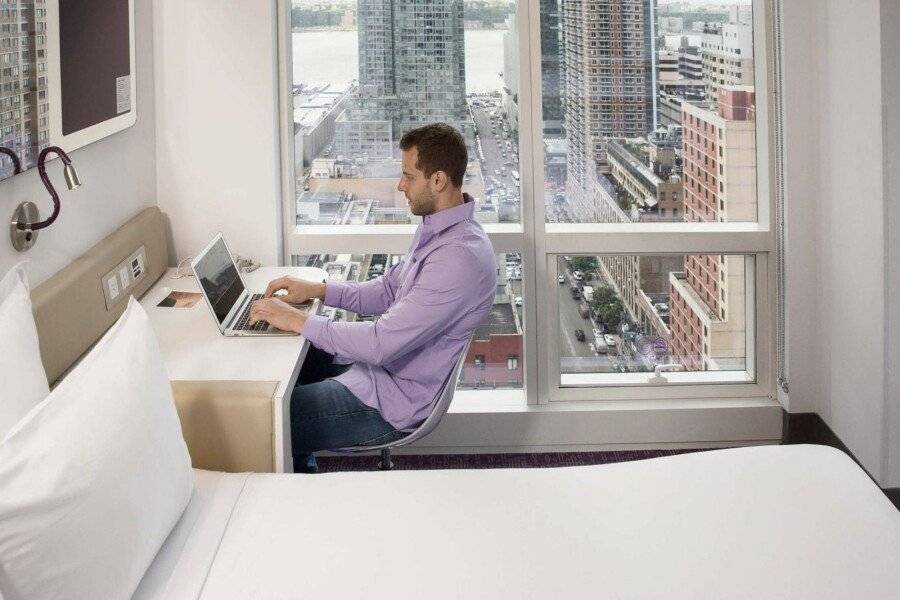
<point x="427" y="426"/>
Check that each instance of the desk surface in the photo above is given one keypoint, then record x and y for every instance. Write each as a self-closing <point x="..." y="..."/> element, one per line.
<point x="193" y="348"/>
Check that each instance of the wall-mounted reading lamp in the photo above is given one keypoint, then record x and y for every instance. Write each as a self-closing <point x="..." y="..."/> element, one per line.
<point x="24" y="226"/>
<point x="17" y="164"/>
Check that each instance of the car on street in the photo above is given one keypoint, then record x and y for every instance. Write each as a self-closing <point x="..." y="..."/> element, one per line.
<point x="578" y="275"/>
<point x="561" y="279"/>
<point x="518" y="301"/>
<point x="611" y="339"/>
<point x="579" y="335"/>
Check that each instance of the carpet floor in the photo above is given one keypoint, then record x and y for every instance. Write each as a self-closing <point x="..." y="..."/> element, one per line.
<point x="332" y="464"/>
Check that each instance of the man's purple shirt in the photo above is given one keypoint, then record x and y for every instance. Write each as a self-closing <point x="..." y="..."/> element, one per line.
<point x="430" y="303"/>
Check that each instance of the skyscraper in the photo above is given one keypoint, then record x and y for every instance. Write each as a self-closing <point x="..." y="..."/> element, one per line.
<point x="609" y="55"/>
<point x="550" y="67"/>
<point x="412" y="62"/>
<point x="24" y="125"/>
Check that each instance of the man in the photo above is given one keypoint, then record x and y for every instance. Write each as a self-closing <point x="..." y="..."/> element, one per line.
<point x="370" y="382"/>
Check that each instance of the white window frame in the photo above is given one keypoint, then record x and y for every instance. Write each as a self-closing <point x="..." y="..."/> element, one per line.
<point x="540" y="243"/>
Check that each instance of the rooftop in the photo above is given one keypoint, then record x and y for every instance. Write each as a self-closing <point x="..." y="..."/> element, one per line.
<point x="314" y="102"/>
<point x="500" y="321"/>
<point x="634" y="158"/>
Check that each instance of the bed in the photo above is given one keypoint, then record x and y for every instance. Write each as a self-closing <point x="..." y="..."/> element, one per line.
<point x="760" y="522"/>
<point x="757" y="522"/>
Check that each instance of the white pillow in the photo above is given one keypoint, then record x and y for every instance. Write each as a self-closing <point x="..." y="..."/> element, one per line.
<point x="95" y="477"/>
<point x="21" y="370"/>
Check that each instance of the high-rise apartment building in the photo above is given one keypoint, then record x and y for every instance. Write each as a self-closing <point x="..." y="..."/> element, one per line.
<point x="511" y="72"/>
<point x="550" y="67"/>
<point x="727" y="57"/>
<point x="412" y="62"/>
<point x="609" y="61"/>
<point x="24" y="110"/>
<point x="707" y="301"/>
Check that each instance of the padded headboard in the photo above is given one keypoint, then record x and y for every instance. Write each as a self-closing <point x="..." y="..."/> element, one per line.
<point x="70" y="308"/>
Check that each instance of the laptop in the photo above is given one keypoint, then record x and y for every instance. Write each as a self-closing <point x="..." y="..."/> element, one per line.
<point x="226" y="294"/>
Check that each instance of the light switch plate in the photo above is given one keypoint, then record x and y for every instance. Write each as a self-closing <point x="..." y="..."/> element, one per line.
<point x="124" y="277"/>
<point x="112" y="288"/>
<point x="121" y="280"/>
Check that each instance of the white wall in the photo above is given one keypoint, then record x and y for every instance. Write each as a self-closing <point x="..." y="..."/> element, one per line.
<point x="890" y="71"/>
<point x="118" y="176"/>
<point x="838" y="276"/>
<point x="801" y="139"/>
<point x="850" y="206"/>
<point x="218" y="156"/>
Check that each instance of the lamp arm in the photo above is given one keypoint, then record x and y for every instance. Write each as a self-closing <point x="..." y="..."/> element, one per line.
<point x="42" y="171"/>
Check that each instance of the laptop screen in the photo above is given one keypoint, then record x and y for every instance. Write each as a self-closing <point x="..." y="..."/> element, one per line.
<point x="219" y="279"/>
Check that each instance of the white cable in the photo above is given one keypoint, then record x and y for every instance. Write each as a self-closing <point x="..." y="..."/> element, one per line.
<point x="183" y="269"/>
<point x="246" y="265"/>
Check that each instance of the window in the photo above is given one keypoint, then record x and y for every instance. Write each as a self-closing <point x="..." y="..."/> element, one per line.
<point x="386" y="76"/>
<point x="615" y="218"/>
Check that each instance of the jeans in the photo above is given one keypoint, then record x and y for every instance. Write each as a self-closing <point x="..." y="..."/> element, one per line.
<point x="325" y="415"/>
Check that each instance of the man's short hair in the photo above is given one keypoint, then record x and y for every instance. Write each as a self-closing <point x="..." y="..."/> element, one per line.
<point x="441" y="148"/>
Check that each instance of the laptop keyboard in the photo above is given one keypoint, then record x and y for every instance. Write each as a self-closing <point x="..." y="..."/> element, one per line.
<point x="243" y="323"/>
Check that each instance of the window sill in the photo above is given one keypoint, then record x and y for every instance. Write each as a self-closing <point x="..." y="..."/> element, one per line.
<point x="505" y="423"/>
<point x="513" y="401"/>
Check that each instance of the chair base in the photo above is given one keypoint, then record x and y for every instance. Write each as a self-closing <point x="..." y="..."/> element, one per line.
<point x="385" y="464"/>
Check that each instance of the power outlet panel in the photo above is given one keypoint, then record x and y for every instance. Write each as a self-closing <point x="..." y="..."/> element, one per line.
<point x="118" y="283"/>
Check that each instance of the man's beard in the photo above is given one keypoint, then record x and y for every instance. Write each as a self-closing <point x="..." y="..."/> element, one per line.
<point x="424" y="205"/>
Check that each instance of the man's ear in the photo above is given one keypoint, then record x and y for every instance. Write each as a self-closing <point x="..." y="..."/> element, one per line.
<point x="439" y="181"/>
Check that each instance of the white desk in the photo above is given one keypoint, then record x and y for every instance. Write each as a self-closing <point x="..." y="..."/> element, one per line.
<point x="203" y="361"/>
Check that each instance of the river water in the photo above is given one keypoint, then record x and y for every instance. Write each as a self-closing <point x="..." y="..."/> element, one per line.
<point x="333" y="57"/>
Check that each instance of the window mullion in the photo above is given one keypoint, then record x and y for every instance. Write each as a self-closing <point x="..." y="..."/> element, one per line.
<point x="532" y="160"/>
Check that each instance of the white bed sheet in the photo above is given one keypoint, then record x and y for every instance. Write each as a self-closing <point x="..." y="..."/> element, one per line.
<point x="179" y="570"/>
<point x="764" y="522"/>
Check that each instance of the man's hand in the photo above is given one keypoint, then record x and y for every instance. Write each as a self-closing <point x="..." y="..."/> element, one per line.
<point x="298" y="290"/>
<point x="279" y="314"/>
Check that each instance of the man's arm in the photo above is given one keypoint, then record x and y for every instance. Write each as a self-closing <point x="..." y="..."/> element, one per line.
<point x="440" y="296"/>
<point x="368" y="298"/>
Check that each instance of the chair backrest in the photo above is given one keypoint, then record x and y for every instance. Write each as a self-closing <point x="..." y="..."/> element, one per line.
<point x="442" y="404"/>
<point x="437" y="413"/>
